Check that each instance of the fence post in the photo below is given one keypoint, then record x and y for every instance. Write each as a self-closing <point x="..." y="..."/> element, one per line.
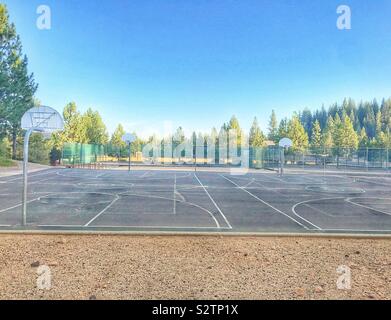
<point x="387" y="154"/>
<point x="367" y="159"/>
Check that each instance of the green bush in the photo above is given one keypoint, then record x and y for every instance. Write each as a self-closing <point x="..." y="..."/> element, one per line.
<point x="39" y="149"/>
<point x="55" y="156"/>
<point x="6" y="162"/>
<point x="5" y="149"/>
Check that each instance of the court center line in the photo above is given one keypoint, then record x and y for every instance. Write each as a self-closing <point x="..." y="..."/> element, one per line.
<point x="215" y="204"/>
<point x="264" y="202"/>
<point x="184" y="202"/>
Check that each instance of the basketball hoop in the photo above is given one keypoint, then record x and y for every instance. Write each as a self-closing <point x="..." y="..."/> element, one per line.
<point x="285" y="143"/>
<point x="39" y="119"/>
<point x="128" y="138"/>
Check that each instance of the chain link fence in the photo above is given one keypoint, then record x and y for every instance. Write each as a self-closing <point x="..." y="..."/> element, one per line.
<point x="271" y="157"/>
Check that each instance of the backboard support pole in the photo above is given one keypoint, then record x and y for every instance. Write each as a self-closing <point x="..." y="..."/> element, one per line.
<point x="40" y="119"/>
<point x="129" y="156"/>
<point x="25" y="162"/>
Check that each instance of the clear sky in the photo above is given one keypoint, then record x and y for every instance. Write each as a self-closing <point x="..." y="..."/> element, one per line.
<point x="196" y="62"/>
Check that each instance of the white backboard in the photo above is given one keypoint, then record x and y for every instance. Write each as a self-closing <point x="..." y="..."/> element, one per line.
<point x="285" y="143"/>
<point x="43" y="119"/>
<point x="128" y="138"/>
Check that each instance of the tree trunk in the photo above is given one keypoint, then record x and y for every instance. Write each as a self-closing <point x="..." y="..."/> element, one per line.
<point x="14" y="136"/>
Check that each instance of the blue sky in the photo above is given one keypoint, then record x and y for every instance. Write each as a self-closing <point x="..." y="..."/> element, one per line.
<point x="154" y="63"/>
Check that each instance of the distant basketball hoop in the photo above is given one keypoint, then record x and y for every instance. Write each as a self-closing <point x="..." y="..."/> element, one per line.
<point x="128" y="138"/>
<point x="40" y="119"/>
<point x="285" y="144"/>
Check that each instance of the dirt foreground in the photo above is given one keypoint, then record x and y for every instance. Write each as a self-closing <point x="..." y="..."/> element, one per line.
<point x="191" y="267"/>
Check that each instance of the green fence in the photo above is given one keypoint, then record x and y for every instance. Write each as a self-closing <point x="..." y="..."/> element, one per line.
<point x="339" y="158"/>
<point x="76" y="154"/>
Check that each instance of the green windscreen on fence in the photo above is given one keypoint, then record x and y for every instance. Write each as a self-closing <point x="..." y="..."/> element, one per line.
<point x="80" y="154"/>
<point x="268" y="157"/>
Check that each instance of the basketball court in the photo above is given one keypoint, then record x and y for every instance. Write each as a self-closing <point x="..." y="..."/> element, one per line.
<point x="174" y="199"/>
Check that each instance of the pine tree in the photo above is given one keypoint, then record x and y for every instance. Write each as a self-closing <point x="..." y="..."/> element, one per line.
<point x="273" y="130"/>
<point x="337" y="132"/>
<point x="379" y="126"/>
<point x="74" y="128"/>
<point x="282" y="129"/>
<point x="257" y="138"/>
<point x="386" y="114"/>
<point x="17" y="86"/>
<point x="349" y="136"/>
<point x="363" y="138"/>
<point x="316" y="138"/>
<point x="297" y="134"/>
<point x="116" y="137"/>
<point x="327" y="137"/>
<point x="96" y="132"/>
<point x="235" y="127"/>
<point x="306" y="120"/>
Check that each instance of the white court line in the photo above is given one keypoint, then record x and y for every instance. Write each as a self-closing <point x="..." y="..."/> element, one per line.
<point x="307" y="201"/>
<point x="127" y="193"/>
<point x="103" y="211"/>
<point x="144" y="174"/>
<point x="32" y="176"/>
<point x="215" y="204"/>
<point x="250" y="183"/>
<point x="40" y="181"/>
<point x="100" y="175"/>
<point x="349" y="200"/>
<point x="356" y="230"/>
<point x="321" y="211"/>
<point x="20" y="204"/>
<point x="165" y="198"/>
<point x="373" y="182"/>
<point x="264" y="202"/>
<point x="175" y="193"/>
<point x="116" y="227"/>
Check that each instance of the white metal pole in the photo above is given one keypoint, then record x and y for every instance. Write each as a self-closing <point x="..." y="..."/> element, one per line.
<point x="367" y="158"/>
<point x="25" y="162"/>
<point x="129" y="157"/>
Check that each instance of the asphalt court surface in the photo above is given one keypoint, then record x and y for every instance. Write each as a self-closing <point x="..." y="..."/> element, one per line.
<point x="164" y="200"/>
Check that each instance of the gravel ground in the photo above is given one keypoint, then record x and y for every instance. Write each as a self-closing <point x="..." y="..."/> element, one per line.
<point x="192" y="267"/>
